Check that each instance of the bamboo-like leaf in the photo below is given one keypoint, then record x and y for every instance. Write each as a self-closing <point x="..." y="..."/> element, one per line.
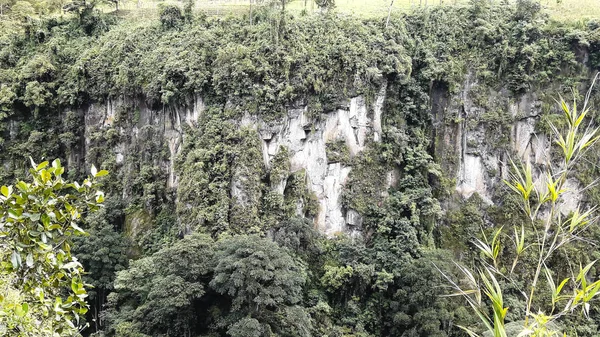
<point x="494" y="293"/>
<point x="561" y="285"/>
<point x="579" y="220"/>
<point x="526" y="332"/>
<point x="566" y="110"/>
<point x="42" y="165"/>
<point x="584" y="271"/>
<point x="590" y="142"/>
<point x="496" y="245"/>
<point x="484" y="248"/>
<point x="468" y="331"/>
<point x="499" y="329"/>
<point x="461" y="293"/>
<point x="561" y="142"/>
<point x="570" y="145"/>
<point x="520" y="240"/>
<point x="483" y="318"/>
<point x="522" y="184"/>
<point x="552" y="186"/>
<point x="592" y="292"/>
<point x="512" y="187"/>
<point x="550" y="279"/>
<point x="580" y="118"/>
<point x="556" y="290"/>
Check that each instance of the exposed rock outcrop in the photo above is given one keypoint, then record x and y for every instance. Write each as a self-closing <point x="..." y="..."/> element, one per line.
<point x="479" y="150"/>
<point x="307" y="141"/>
<point x="468" y="148"/>
<point x="306" y="138"/>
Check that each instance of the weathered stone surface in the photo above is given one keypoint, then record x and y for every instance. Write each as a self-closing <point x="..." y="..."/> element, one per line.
<point x="476" y="163"/>
<point x="481" y="165"/>
<point x="353" y="218"/>
<point x="377" y="112"/>
<point x="307" y="140"/>
<point x="167" y="124"/>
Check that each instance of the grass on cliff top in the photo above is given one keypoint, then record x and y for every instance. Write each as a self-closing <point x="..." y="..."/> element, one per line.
<point x="570" y="10"/>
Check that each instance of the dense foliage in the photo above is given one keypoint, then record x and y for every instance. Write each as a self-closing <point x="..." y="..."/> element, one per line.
<point x="43" y="293"/>
<point x="198" y="239"/>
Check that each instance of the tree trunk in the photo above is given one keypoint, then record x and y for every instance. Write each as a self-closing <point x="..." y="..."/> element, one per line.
<point x="282" y="22"/>
<point x="250" y="12"/>
<point x="387" y="22"/>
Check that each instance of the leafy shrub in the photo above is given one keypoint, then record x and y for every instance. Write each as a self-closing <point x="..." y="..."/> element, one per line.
<point x="171" y="16"/>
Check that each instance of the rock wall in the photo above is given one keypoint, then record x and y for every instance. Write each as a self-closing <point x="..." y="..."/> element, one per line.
<point x="474" y="149"/>
<point x="469" y="151"/>
<point x="168" y="123"/>
<point x="306" y="138"/>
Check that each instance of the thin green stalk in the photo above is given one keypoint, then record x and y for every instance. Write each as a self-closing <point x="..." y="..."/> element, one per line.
<point x="539" y="265"/>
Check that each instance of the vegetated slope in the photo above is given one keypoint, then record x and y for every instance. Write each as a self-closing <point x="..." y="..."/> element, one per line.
<point x="92" y="91"/>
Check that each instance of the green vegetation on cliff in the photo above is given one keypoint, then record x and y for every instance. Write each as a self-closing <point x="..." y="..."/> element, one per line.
<point x="204" y="237"/>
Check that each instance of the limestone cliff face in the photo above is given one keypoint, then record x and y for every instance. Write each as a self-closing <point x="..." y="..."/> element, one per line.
<point x="168" y="125"/>
<point x="470" y="145"/>
<point x="481" y="152"/>
<point x="306" y="139"/>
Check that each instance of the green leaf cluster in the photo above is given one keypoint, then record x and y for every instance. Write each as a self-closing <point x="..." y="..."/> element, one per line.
<point x="38" y="222"/>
